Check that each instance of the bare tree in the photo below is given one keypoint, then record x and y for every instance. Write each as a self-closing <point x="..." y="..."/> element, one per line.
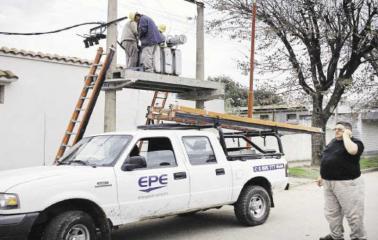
<point x="322" y="43"/>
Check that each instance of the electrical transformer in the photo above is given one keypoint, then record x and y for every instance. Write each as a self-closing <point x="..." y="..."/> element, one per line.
<point x="168" y="59"/>
<point x="158" y="60"/>
<point x="177" y="62"/>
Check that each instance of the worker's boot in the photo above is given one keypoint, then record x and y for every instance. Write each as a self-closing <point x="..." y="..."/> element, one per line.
<point x="329" y="237"/>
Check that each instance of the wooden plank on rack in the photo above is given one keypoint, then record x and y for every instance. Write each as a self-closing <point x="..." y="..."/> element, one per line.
<point x="199" y="116"/>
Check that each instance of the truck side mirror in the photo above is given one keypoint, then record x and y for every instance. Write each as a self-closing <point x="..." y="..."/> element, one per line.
<point x="134" y="162"/>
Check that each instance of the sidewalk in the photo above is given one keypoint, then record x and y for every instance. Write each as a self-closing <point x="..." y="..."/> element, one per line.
<point x="295" y="182"/>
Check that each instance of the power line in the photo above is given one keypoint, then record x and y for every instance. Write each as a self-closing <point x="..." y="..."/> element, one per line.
<point x="101" y="27"/>
<point x="54" y="31"/>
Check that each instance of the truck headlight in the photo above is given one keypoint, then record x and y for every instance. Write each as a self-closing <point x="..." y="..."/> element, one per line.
<point x="8" y="201"/>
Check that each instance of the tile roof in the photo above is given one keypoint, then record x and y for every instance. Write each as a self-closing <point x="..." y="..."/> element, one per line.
<point x="44" y="56"/>
<point x="7" y="74"/>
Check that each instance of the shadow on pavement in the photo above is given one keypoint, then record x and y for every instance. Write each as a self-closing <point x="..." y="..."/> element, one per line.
<point x="177" y="227"/>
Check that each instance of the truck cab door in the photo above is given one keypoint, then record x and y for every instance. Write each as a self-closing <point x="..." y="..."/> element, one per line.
<point x="210" y="173"/>
<point x="159" y="187"/>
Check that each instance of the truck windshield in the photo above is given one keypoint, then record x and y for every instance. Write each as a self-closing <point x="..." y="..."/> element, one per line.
<point x="96" y="151"/>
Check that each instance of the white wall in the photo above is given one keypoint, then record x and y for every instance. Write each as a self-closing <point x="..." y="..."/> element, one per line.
<point x="297" y="147"/>
<point x="38" y="107"/>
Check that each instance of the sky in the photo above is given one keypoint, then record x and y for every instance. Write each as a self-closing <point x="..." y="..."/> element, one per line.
<point x="221" y="54"/>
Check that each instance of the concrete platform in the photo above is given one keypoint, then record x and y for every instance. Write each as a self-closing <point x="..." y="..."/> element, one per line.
<point x="186" y="88"/>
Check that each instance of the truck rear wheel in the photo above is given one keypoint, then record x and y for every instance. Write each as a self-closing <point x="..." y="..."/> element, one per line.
<point x="253" y="206"/>
<point x="70" y="225"/>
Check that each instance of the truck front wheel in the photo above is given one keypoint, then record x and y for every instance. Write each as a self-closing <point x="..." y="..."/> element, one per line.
<point x="253" y="206"/>
<point x="70" y="225"/>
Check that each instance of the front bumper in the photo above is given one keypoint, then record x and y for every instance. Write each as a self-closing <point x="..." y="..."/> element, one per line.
<point x="16" y="227"/>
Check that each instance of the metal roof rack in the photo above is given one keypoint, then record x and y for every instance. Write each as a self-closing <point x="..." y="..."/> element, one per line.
<point x="253" y="133"/>
<point x="174" y="126"/>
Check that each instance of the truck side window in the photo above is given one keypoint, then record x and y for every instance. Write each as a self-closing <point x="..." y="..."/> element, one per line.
<point x="158" y="152"/>
<point x="199" y="150"/>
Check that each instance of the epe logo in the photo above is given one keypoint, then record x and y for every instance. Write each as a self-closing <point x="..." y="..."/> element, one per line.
<point x="151" y="183"/>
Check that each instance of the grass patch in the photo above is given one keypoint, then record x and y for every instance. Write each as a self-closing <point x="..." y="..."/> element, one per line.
<point x="304" y="172"/>
<point x="313" y="172"/>
<point x="367" y="163"/>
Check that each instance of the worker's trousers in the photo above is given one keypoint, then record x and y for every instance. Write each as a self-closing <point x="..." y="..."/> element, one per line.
<point x="345" y="198"/>
<point x="132" y="53"/>
<point x="147" y="58"/>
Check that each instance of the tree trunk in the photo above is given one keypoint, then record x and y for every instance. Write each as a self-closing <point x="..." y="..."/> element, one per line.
<point x="317" y="140"/>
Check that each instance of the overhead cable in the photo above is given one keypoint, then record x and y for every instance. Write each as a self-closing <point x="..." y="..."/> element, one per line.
<point x="102" y="25"/>
<point x="49" y="32"/>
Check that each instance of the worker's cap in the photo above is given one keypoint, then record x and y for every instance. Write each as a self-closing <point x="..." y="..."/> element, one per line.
<point x="162" y="28"/>
<point x="132" y="16"/>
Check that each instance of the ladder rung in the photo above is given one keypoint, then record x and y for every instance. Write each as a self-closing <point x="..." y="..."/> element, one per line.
<point x="79" y="109"/>
<point x="70" y="133"/>
<point x="65" y="146"/>
<point x="75" y="121"/>
<point x="92" y="76"/>
<point x="84" y="98"/>
<point x="161" y="97"/>
<point x="97" y="64"/>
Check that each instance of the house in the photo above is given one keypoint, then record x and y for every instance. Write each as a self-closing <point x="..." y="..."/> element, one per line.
<point x="279" y="113"/>
<point x="36" y="106"/>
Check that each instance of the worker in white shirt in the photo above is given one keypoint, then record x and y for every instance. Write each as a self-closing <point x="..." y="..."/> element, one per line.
<point x="129" y="41"/>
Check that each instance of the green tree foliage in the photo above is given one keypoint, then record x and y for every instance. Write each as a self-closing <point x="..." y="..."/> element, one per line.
<point x="237" y="94"/>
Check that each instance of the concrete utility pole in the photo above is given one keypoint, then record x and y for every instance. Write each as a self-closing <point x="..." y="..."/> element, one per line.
<point x="252" y="61"/>
<point x="200" y="48"/>
<point x="110" y="95"/>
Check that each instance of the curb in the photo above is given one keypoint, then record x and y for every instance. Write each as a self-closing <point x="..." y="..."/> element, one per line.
<point x="303" y="181"/>
<point x="369" y="170"/>
<point x="297" y="183"/>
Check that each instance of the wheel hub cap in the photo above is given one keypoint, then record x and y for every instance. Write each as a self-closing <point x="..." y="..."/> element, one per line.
<point x="257" y="206"/>
<point x="78" y="232"/>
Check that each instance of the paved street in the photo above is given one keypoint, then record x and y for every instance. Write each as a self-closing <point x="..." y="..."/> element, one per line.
<point x="298" y="215"/>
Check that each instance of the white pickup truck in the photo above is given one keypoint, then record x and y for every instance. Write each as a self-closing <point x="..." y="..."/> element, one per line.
<point x="113" y="179"/>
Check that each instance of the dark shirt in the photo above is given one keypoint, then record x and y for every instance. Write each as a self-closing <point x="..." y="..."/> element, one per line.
<point x="338" y="164"/>
<point x="148" y="32"/>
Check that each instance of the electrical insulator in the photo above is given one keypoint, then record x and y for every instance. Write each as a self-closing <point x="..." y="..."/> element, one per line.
<point x="176" y="40"/>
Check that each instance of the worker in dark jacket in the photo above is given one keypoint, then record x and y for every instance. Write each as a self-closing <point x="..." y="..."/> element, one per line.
<point x="150" y="38"/>
<point x="343" y="185"/>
